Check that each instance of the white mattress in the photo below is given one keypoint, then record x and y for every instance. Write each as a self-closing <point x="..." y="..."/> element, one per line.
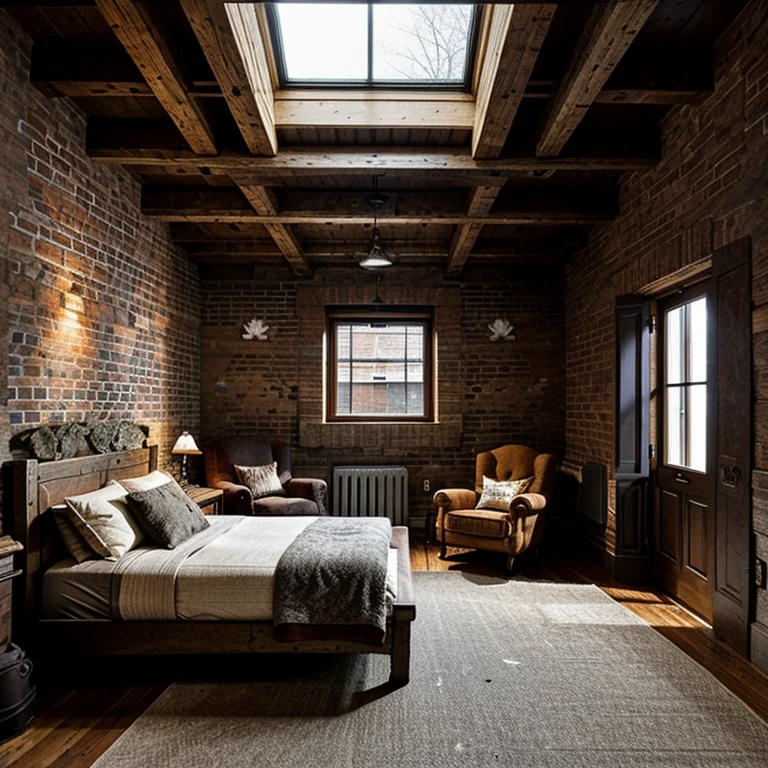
<point x="230" y="578"/>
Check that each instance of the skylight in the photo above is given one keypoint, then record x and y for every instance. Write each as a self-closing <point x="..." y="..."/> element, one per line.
<point x="372" y="44"/>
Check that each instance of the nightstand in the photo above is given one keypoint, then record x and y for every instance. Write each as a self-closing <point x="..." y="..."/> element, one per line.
<point x="210" y="500"/>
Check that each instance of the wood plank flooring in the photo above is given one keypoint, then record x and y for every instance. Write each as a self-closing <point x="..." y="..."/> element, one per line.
<point x="83" y="709"/>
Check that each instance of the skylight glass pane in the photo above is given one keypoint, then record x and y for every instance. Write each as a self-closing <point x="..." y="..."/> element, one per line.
<point x="324" y="41"/>
<point x="421" y="43"/>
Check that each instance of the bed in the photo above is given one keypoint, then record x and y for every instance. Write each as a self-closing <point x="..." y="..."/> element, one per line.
<point x="48" y="628"/>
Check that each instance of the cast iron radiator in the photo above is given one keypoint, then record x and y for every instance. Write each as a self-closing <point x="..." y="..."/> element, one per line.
<point x="371" y="492"/>
<point x="593" y="493"/>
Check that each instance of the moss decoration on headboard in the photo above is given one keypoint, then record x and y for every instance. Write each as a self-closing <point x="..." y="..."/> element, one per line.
<point x="76" y="438"/>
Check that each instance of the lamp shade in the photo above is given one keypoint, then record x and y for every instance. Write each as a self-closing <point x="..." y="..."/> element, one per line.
<point x="186" y="445"/>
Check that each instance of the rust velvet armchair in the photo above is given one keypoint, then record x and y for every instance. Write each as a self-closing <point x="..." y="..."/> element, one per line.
<point x="512" y="530"/>
<point x="302" y="496"/>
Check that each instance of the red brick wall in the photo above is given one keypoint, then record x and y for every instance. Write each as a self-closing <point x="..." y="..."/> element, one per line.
<point x="488" y="393"/>
<point x="709" y="190"/>
<point x="100" y="313"/>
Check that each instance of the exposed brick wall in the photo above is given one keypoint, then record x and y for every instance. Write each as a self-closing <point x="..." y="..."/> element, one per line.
<point x="709" y="190"/>
<point x="488" y="393"/>
<point x="100" y="312"/>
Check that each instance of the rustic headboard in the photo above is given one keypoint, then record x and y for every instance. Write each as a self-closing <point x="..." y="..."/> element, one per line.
<point x="39" y="486"/>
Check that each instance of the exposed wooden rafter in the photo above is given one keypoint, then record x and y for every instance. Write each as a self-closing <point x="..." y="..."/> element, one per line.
<point x="515" y="38"/>
<point x="147" y="46"/>
<point x="610" y="30"/>
<point x="105" y="147"/>
<point x="515" y="207"/>
<point x="231" y="39"/>
<point x="480" y="203"/>
<point x="265" y="205"/>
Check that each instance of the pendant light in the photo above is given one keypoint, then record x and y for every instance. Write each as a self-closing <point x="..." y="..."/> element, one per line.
<point x="377" y="257"/>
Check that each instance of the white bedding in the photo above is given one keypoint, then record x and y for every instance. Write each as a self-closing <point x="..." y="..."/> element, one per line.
<point x="224" y="573"/>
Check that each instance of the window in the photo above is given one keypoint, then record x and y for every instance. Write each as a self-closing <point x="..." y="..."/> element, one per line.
<point x="685" y="385"/>
<point x="380" y="367"/>
<point x="369" y="44"/>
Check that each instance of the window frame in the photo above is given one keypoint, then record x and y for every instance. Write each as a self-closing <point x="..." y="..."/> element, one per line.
<point x="683" y="299"/>
<point x="369" y="83"/>
<point x="421" y="315"/>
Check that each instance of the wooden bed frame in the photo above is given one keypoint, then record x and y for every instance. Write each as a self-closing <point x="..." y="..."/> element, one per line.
<point x="38" y="486"/>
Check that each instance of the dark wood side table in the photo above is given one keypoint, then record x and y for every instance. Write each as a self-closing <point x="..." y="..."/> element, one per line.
<point x="210" y="500"/>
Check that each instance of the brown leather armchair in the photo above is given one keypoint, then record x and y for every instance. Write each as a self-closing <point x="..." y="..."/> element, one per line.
<point x="303" y="496"/>
<point x="512" y="531"/>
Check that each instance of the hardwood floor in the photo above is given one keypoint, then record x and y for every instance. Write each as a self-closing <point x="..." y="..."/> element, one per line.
<point x="82" y="712"/>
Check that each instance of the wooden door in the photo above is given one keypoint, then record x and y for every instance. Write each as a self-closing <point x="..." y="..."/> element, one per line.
<point x="734" y="587"/>
<point x="683" y="550"/>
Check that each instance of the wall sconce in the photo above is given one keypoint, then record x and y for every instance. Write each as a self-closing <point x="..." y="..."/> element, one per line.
<point x="256" y="329"/>
<point x="185" y="446"/>
<point x="501" y="329"/>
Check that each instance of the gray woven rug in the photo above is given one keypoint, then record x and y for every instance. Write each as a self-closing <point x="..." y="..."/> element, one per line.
<point x="503" y="674"/>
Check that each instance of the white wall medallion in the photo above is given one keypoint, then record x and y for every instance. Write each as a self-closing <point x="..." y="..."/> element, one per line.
<point x="501" y="329"/>
<point x="255" y="329"/>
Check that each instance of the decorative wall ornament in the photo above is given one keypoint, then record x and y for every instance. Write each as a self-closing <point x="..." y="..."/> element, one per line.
<point x="77" y="438"/>
<point x="501" y="329"/>
<point x="256" y="329"/>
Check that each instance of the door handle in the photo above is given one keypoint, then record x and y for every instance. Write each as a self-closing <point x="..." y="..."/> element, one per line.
<point x="681" y="478"/>
<point x="729" y="476"/>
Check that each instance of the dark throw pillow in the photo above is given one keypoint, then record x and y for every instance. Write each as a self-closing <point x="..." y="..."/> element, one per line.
<point x="167" y="514"/>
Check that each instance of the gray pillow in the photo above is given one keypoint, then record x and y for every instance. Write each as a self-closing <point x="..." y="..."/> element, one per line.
<point x="167" y="514"/>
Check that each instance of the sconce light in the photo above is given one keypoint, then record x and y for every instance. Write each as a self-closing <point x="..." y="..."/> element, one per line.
<point x="256" y="329"/>
<point x="501" y="329"/>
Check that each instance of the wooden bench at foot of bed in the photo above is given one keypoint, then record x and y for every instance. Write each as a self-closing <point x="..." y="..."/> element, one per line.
<point x="39" y="486"/>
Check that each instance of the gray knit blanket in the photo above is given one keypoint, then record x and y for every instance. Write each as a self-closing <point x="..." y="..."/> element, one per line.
<point x="330" y="583"/>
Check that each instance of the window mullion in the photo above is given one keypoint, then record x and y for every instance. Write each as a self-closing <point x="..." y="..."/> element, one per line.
<point x="370" y="44"/>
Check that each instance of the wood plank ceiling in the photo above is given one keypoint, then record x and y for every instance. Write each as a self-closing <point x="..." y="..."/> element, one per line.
<point x="566" y="97"/>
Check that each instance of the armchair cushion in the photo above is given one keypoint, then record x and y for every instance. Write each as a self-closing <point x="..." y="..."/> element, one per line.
<point x="498" y="495"/>
<point x="279" y="505"/>
<point x="486" y="523"/>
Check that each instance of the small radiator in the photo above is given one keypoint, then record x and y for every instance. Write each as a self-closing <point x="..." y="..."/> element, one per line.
<point x="593" y="493"/>
<point x="371" y="492"/>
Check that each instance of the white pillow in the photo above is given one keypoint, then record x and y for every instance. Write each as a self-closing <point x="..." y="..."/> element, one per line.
<point x="146" y="482"/>
<point x="262" y="481"/>
<point x="497" y="495"/>
<point x="103" y="519"/>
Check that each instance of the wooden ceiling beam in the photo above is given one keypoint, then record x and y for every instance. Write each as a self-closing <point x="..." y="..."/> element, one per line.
<point x="133" y="24"/>
<point x="231" y="39"/>
<point x="371" y="110"/>
<point x="515" y="37"/>
<point x="609" y="32"/>
<point x="264" y="204"/>
<point x="255" y="205"/>
<point x="480" y="203"/>
<point x="660" y="76"/>
<point x="118" y="144"/>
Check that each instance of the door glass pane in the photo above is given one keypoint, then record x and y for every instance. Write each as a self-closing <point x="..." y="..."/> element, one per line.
<point x="674" y="364"/>
<point x="324" y="41"/>
<point x="421" y="43"/>
<point x="697" y="427"/>
<point x="697" y="340"/>
<point x="674" y="422"/>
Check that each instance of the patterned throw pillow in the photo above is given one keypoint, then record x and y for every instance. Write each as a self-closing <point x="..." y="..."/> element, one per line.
<point x="103" y="520"/>
<point x="167" y="514"/>
<point x="262" y="481"/>
<point x="73" y="540"/>
<point x="497" y="495"/>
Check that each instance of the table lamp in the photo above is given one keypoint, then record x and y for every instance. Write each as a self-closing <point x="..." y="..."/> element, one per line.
<point x="185" y="446"/>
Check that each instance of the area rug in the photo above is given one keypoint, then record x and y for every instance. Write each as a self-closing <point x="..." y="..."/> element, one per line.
<point x="503" y="673"/>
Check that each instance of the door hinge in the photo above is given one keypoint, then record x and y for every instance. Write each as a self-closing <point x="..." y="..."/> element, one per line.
<point x="651" y="451"/>
<point x="652" y="322"/>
